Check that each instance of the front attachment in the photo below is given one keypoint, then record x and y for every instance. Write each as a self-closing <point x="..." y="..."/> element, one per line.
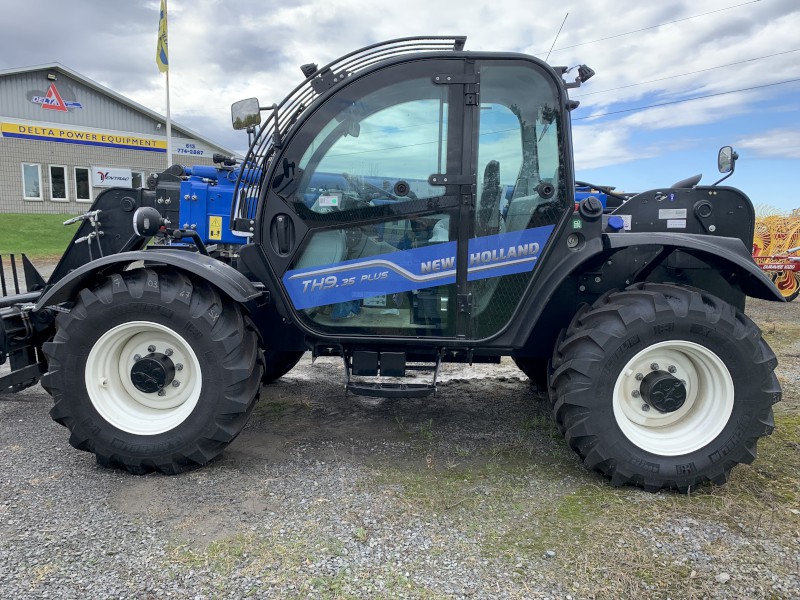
<point x="21" y="330"/>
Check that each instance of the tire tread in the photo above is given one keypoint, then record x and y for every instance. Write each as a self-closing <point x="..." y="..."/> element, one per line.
<point x="241" y="364"/>
<point x="581" y="346"/>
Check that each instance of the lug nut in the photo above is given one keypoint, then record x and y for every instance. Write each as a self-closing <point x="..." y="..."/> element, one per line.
<point x="635" y="393"/>
<point x="672" y="369"/>
<point x="162" y="392"/>
<point x="179" y="367"/>
<point x="639" y="377"/>
<point x="175" y="383"/>
<point x="151" y="348"/>
<point x="654" y="366"/>
<point x="168" y="351"/>
<point x="137" y="357"/>
<point x="645" y="407"/>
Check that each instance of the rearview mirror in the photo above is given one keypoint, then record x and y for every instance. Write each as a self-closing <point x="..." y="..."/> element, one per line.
<point x="726" y="159"/>
<point x="246" y="113"/>
<point x="726" y="162"/>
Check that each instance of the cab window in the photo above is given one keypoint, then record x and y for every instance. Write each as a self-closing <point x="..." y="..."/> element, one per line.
<point x="379" y="149"/>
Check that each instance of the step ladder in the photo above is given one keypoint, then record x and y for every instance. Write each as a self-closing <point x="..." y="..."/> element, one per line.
<point x="379" y="373"/>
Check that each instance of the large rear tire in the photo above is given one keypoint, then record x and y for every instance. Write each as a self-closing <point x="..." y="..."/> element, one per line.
<point x="663" y="386"/>
<point x="152" y="370"/>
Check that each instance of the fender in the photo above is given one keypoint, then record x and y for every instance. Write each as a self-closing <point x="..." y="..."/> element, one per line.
<point x="219" y="274"/>
<point x="553" y="289"/>
<point x="711" y="249"/>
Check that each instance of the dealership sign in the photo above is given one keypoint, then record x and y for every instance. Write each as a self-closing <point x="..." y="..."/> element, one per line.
<point x="111" y="177"/>
<point x="105" y="139"/>
<point x="52" y="100"/>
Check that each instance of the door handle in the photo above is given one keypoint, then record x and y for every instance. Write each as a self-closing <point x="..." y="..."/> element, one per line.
<point x="282" y="231"/>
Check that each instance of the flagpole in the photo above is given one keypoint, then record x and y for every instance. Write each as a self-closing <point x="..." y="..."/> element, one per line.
<point x="169" y="127"/>
<point x="162" y="61"/>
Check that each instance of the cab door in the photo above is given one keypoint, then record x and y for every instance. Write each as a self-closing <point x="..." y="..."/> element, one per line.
<point x="361" y="219"/>
<point x="417" y="200"/>
<point x="520" y="159"/>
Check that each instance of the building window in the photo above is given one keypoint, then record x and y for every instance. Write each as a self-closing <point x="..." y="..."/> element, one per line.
<point x="31" y="181"/>
<point x="83" y="185"/>
<point x="137" y="179"/>
<point x="58" y="183"/>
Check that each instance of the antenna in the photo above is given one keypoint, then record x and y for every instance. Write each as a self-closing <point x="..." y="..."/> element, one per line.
<point x="554" y="40"/>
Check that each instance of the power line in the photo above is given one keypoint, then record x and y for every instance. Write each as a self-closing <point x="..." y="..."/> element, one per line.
<point x="611" y="37"/>
<point x="622" y="87"/>
<point x="626" y="110"/>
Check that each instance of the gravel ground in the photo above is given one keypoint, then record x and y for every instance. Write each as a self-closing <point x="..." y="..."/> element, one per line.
<point x="470" y="494"/>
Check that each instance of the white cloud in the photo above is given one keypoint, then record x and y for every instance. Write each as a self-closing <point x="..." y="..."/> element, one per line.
<point x="777" y="143"/>
<point x="602" y="145"/>
<point x="221" y="53"/>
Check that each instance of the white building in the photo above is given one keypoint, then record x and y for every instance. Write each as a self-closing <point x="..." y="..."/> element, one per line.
<point x="64" y="138"/>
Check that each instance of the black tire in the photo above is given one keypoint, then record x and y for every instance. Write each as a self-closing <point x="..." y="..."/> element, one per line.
<point x="534" y="368"/>
<point x="277" y="364"/>
<point x="601" y="369"/>
<point x="185" y="321"/>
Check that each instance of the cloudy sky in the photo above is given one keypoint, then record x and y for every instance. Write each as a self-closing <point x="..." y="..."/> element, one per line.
<point x="723" y="71"/>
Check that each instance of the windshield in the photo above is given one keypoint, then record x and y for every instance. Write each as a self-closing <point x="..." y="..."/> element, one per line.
<point x="395" y="134"/>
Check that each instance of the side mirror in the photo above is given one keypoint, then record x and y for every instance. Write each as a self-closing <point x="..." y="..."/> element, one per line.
<point x="726" y="162"/>
<point x="246" y="113"/>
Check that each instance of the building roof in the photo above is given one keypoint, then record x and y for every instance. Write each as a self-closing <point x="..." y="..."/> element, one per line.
<point x="55" y="66"/>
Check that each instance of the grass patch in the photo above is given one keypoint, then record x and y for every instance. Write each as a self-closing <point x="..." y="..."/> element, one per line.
<point x="773" y="480"/>
<point x="38" y="236"/>
<point x="435" y="490"/>
<point x="291" y="564"/>
<point x="615" y="542"/>
<point x="274" y="408"/>
<point x="555" y="526"/>
<point x="781" y="336"/>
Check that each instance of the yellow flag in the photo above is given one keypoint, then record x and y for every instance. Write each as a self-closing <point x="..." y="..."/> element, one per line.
<point x="162" y="59"/>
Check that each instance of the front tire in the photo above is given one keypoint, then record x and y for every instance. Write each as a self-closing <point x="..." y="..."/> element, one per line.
<point x="663" y="386"/>
<point x="152" y="370"/>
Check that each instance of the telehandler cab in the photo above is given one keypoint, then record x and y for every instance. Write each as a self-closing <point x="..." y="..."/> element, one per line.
<point x="409" y="203"/>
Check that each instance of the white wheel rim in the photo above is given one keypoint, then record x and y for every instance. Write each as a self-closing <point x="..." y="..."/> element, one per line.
<point x="112" y="393"/>
<point x="701" y="418"/>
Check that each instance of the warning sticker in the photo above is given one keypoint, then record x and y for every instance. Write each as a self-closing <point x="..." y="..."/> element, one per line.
<point x="627" y="220"/>
<point x="215" y="228"/>
<point x="672" y="213"/>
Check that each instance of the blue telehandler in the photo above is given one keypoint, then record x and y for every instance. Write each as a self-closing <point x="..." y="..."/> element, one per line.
<point x="408" y="204"/>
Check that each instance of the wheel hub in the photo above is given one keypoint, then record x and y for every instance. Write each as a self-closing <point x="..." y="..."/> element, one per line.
<point x="663" y="391"/>
<point x="152" y="373"/>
